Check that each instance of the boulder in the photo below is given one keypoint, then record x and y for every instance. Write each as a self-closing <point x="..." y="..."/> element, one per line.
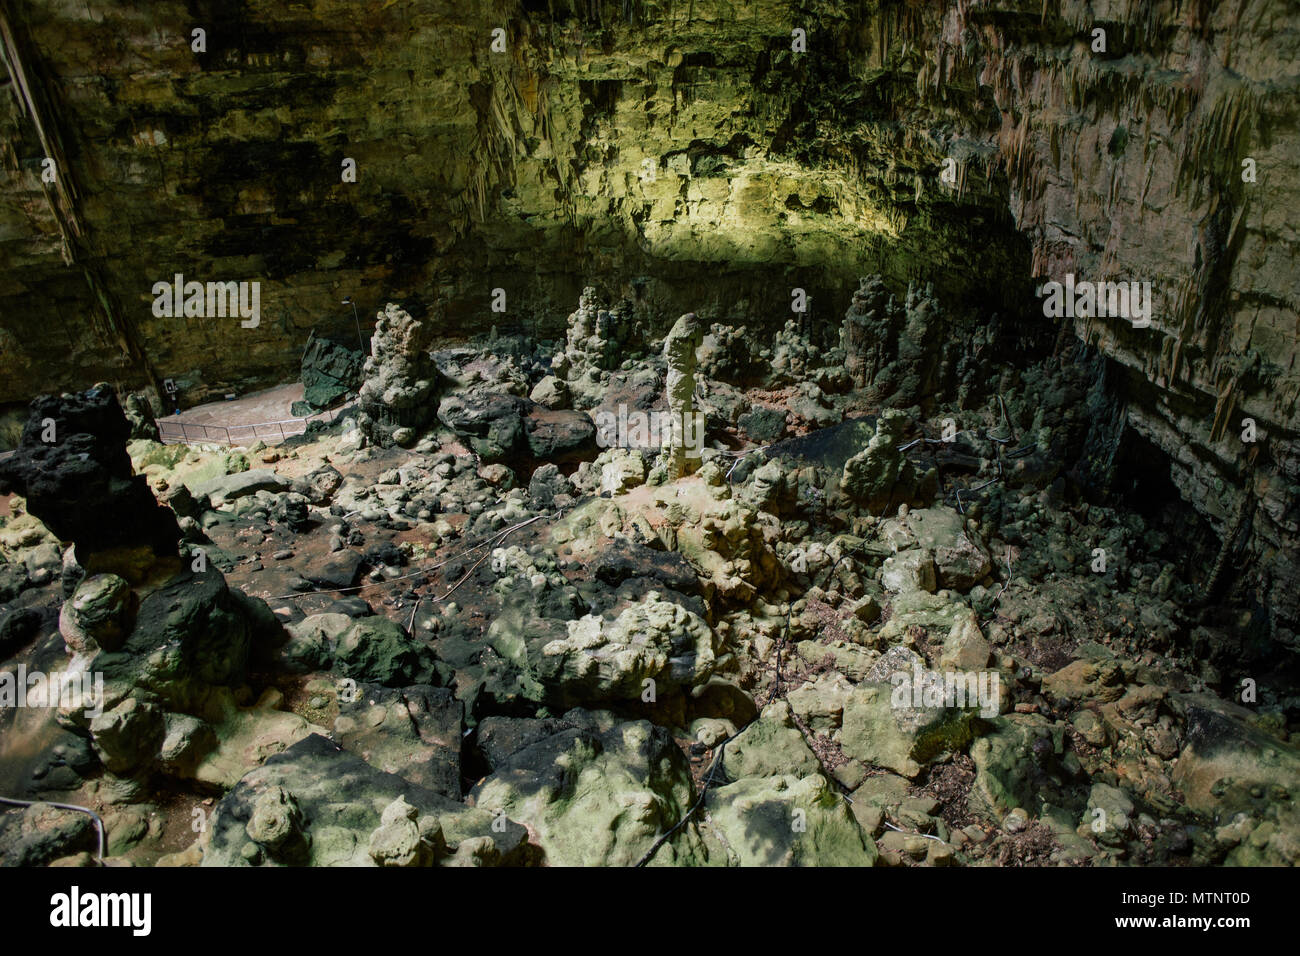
<point x="769" y="747"/>
<point x="624" y="559"/>
<point x="593" y="659"/>
<point x="312" y="641"/>
<point x="341" y="801"/>
<point x="763" y="424"/>
<point x="558" y="435"/>
<point x="883" y="726"/>
<point x="499" y="738"/>
<point x="546" y="484"/>
<point x="401" y="841"/>
<point x="911" y="570"/>
<point x="189" y="635"/>
<point x="492" y="422"/>
<point x="81" y="485"/>
<point x="414" y="732"/>
<point x="318" y="487"/>
<point x="551" y="392"/>
<point x="788" y="821"/>
<point x="820" y="703"/>
<point x="1017" y="764"/>
<point x="880" y="477"/>
<point x="239" y="485"/>
<point x="960" y="561"/>
<point x="598" y="793"/>
<point x="377" y="651"/>
<point x="771" y="488"/>
<point x="330" y="372"/>
<point x="42" y="833"/>
<point x="293" y="511"/>
<point x="335" y="570"/>
<point x="127" y="738"/>
<point x="1226" y="764"/>
<point x="97" y="615"/>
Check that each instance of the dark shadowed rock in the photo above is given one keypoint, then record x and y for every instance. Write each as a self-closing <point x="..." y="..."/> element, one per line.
<point x="559" y="435"/>
<point x="413" y="732"/>
<point x="330" y="371"/>
<point x="500" y="738"/>
<point x="190" y="633"/>
<point x="625" y="559"/>
<point x="42" y="833"/>
<point x="18" y="628"/>
<point x="336" y="570"/>
<point x="492" y="422"/>
<point x="763" y="424"/>
<point x="351" y="606"/>
<point x="376" y="650"/>
<point x="80" y="483"/>
<point x="547" y="482"/>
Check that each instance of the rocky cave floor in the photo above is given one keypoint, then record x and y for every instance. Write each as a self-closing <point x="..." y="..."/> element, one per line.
<point x="507" y="645"/>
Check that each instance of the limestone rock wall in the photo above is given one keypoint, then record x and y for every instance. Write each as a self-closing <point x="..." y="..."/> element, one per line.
<point x="663" y="146"/>
<point x="1171" y="158"/>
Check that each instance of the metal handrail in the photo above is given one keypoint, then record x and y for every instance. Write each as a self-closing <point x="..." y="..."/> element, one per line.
<point x="185" y="439"/>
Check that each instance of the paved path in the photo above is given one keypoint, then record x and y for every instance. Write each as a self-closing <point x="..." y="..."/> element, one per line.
<point x="261" y="415"/>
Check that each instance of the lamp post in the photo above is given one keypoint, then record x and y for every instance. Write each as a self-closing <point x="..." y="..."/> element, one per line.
<point x="360" y="341"/>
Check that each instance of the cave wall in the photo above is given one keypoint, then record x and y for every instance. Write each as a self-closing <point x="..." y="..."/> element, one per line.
<point x="667" y="149"/>
<point x="530" y="170"/>
<point x="1133" y="164"/>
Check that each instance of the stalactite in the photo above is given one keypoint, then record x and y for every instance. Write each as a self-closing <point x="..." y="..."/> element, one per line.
<point x="1223" y="409"/>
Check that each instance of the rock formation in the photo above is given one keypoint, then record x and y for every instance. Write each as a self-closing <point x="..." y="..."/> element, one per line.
<point x="982" y="576"/>
<point x="597" y="341"/>
<point x="687" y="439"/>
<point x="880" y="476"/>
<point x="73" y="469"/>
<point x="399" y="395"/>
<point x="330" y="372"/>
<point x="894" y="350"/>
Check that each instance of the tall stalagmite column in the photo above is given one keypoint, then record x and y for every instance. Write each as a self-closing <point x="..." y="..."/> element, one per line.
<point x="687" y="439"/>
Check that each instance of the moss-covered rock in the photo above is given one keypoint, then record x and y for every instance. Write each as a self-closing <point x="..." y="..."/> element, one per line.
<point x="599" y="793"/>
<point x="788" y="821"/>
<point x="336" y="801"/>
<point x="903" y="737"/>
<point x="770" y="746"/>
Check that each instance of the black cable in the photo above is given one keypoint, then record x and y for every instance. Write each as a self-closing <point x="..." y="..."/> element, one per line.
<point x="99" y="824"/>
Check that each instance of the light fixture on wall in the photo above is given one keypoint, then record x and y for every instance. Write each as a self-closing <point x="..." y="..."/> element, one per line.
<point x="360" y="340"/>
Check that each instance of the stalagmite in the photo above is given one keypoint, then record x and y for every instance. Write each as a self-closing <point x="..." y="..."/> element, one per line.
<point x="679" y="349"/>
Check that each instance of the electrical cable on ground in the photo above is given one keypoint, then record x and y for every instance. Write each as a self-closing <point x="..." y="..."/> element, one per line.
<point x="717" y="759"/>
<point x="492" y="540"/>
<point x="99" y="824"/>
